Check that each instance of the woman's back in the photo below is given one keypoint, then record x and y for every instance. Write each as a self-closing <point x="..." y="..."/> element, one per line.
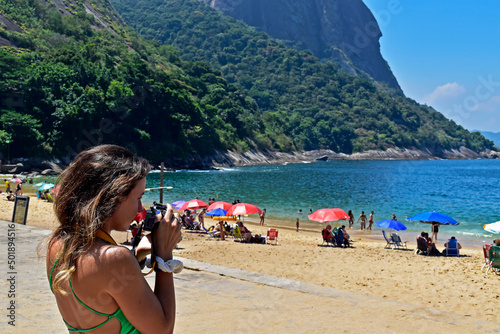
<point x="81" y="293"/>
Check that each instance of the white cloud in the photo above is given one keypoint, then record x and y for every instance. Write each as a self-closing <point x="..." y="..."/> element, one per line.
<point x="446" y="91"/>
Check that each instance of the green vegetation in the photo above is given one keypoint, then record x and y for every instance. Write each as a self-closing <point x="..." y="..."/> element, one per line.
<point x="74" y="79"/>
<point x="305" y="103"/>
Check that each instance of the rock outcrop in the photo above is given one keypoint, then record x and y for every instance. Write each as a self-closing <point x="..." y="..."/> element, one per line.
<point x="342" y="30"/>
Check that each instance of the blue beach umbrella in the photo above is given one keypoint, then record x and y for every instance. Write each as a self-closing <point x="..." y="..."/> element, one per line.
<point x="216" y="212"/>
<point x="433" y="216"/>
<point x="46" y="186"/>
<point x="390" y="223"/>
<point x="178" y="204"/>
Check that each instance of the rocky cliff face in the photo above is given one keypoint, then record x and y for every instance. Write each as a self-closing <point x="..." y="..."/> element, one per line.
<point x="342" y="30"/>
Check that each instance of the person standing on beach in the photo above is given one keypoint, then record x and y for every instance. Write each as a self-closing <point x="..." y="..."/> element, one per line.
<point x="351" y="218"/>
<point x="370" y="221"/>
<point x="297" y="224"/>
<point x="7" y="186"/>
<point x="362" y="218"/>
<point x="99" y="192"/>
<point x="262" y="217"/>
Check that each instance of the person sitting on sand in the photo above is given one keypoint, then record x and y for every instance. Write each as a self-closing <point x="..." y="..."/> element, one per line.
<point x="246" y="235"/>
<point x="362" y="218"/>
<point x="220" y="231"/>
<point x="347" y="237"/>
<point x="431" y="246"/>
<point x="446" y="245"/>
<point x="11" y="197"/>
<point x="327" y="234"/>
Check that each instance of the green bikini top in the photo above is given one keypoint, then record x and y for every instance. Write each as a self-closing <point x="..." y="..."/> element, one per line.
<point x="127" y="327"/>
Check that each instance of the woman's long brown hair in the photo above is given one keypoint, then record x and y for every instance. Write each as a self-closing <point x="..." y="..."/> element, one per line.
<point x="90" y="190"/>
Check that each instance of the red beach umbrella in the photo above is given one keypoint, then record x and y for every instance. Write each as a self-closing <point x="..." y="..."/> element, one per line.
<point x="328" y="215"/>
<point x="220" y="205"/>
<point x="242" y="209"/>
<point x="193" y="205"/>
<point x="16" y="180"/>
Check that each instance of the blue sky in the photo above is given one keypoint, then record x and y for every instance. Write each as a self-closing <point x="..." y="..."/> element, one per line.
<point x="445" y="54"/>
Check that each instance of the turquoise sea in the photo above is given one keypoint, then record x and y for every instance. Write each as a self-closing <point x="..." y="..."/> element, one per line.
<point x="467" y="190"/>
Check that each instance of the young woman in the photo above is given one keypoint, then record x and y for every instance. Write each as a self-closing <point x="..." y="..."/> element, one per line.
<point x="98" y="285"/>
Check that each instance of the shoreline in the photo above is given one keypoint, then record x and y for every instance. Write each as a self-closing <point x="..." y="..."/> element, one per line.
<point x="268" y="157"/>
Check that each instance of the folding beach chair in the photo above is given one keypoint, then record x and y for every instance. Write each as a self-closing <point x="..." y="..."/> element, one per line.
<point x="209" y="233"/>
<point x="327" y="237"/>
<point x="272" y="235"/>
<point x="422" y="247"/>
<point x="486" y="251"/>
<point x="390" y="243"/>
<point x="494" y="258"/>
<point x="397" y="241"/>
<point x="452" y="248"/>
<point x="237" y="233"/>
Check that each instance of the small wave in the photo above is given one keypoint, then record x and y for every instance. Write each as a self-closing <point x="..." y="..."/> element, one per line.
<point x="306" y="162"/>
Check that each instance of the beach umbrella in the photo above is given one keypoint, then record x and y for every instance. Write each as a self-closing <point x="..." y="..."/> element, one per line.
<point x="433" y="216"/>
<point x="46" y="186"/>
<point x="216" y="212"/>
<point x="16" y="180"/>
<point x="219" y="205"/>
<point x="193" y="205"/>
<point x="393" y="224"/>
<point x="328" y="215"/>
<point x="39" y="184"/>
<point x="240" y="209"/>
<point x="493" y="227"/>
<point x="178" y="204"/>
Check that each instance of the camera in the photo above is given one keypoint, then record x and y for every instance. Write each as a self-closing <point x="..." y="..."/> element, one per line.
<point x="151" y="213"/>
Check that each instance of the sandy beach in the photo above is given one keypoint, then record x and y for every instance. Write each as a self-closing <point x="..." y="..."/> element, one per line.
<point x="455" y="285"/>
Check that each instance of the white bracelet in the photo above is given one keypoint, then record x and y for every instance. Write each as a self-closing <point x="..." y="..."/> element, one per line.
<point x="171" y="266"/>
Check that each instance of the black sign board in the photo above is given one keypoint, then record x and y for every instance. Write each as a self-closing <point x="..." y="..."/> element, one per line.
<point x="20" y="209"/>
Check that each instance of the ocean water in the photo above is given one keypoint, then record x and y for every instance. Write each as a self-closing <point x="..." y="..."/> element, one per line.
<point x="467" y="190"/>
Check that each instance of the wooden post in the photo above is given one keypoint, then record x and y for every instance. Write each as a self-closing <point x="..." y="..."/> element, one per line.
<point x="161" y="182"/>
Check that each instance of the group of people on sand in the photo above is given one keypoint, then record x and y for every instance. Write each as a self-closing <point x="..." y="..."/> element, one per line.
<point x="11" y="195"/>
<point x="427" y="245"/>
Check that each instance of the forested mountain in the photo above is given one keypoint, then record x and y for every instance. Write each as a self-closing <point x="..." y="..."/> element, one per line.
<point x="306" y="103"/>
<point x="344" y="31"/>
<point x="73" y="75"/>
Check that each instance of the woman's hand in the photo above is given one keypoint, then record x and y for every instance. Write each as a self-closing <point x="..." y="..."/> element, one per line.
<point x="167" y="235"/>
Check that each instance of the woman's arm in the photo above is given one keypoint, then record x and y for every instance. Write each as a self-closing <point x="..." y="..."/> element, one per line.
<point x="148" y="311"/>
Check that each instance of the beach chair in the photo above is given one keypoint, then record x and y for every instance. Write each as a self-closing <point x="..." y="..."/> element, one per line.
<point x="390" y="243"/>
<point x="486" y="251"/>
<point x="237" y="233"/>
<point x="397" y="241"/>
<point x="452" y="248"/>
<point x="494" y="258"/>
<point x="209" y="233"/>
<point x="50" y="198"/>
<point x="327" y="237"/>
<point x="422" y="247"/>
<point x="272" y="235"/>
